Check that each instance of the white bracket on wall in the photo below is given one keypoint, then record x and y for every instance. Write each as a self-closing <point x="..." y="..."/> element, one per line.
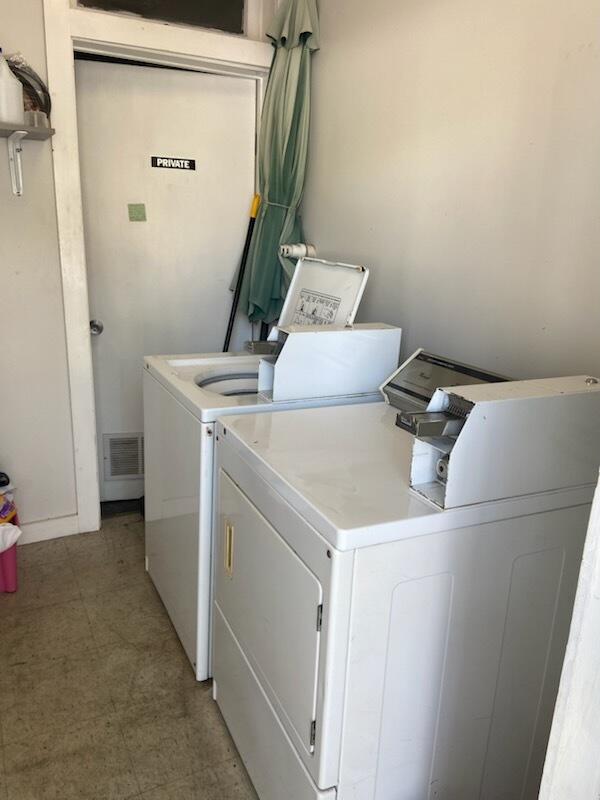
<point x="15" y="148"/>
<point x="14" y="136"/>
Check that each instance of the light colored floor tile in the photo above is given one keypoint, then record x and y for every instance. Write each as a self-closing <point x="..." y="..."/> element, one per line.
<point x="148" y="682"/>
<point x="133" y="615"/>
<point x="52" y="696"/>
<point x="42" y="552"/>
<point x="228" y="781"/>
<point x="3" y="791"/>
<point x="88" y="762"/>
<point x="80" y="541"/>
<point x="41" y="585"/>
<point x="202" y="786"/>
<point x="177" y="732"/>
<point x="106" y="569"/>
<point x="99" y="701"/>
<point x="111" y="538"/>
<point x="234" y="782"/>
<point x="130" y="518"/>
<point x="44" y="633"/>
<point x="98" y="547"/>
<point x="213" y="736"/>
<point x="123" y="528"/>
<point x="137" y="527"/>
<point x="164" y="749"/>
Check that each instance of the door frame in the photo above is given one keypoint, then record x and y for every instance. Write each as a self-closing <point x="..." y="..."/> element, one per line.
<point x="69" y="29"/>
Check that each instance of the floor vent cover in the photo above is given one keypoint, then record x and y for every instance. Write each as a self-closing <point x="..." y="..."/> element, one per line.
<point x="123" y="455"/>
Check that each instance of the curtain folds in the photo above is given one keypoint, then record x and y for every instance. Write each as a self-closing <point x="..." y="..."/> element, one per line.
<point x="283" y="149"/>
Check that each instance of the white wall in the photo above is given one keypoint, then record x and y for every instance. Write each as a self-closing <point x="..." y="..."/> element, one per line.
<point x="36" y="445"/>
<point x="456" y="150"/>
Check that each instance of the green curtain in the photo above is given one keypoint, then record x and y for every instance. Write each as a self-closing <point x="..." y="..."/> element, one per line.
<point x="283" y="147"/>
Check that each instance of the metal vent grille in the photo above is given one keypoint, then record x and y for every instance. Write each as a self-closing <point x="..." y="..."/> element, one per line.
<point x="123" y="456"/>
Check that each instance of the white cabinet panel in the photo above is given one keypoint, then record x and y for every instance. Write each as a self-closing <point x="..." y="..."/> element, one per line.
<point x="270" y="757"/>
<point x="419" y="617"/>
<point x="270" y="599"/>
<point x="178" y="510"/>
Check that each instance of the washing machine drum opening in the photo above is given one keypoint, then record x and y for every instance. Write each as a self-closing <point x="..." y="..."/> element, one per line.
<point x="230" y="384"/>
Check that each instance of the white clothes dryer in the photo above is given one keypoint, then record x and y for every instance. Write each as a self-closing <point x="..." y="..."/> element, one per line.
<point x="394" y="585"/>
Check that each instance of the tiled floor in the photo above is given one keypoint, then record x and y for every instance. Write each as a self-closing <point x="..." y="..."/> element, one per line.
<point x="97" y="698"/>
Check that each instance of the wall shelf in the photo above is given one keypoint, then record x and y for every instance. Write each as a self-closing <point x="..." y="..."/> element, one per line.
<point x="38" y="133"/>
<point x="14" y="135"/>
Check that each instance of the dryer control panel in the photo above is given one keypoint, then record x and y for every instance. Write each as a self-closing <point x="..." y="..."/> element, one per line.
<point x="496" y="441"/>
<point x="413" y="384"/>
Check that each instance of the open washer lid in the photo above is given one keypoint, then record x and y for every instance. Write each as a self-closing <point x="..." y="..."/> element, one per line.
<point x="323" y="293"/>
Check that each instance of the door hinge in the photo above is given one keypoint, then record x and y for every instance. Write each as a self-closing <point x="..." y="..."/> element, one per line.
<point x="319" y="617"/>
<point x="313" y="732"/>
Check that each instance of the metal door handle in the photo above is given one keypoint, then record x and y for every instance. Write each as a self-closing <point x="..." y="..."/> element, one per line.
<point x="229" y="530"/>
<point x="96" y="327"/>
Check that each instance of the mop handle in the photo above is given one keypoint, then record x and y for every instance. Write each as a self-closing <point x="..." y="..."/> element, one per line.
<point x="238" y="284"/>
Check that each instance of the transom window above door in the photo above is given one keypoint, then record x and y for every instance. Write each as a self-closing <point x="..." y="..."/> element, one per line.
<point x="225" y="15"/>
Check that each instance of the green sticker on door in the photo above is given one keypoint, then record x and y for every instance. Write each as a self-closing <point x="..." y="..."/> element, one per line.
<point x="137" y="212"/>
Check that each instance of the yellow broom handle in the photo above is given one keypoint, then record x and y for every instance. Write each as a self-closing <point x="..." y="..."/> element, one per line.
<point x="255" y="206"/>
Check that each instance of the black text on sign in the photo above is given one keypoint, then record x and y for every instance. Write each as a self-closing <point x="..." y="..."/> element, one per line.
<point x="173" y="163"/>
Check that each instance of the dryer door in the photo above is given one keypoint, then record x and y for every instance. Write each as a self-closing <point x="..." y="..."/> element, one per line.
<point x="272" y="602"/>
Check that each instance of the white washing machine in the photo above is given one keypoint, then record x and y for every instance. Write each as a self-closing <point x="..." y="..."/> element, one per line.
<point x="394" y="585"/>
<point x="320" y="358"/>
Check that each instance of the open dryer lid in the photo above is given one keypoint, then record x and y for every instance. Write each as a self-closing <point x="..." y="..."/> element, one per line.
<point x="323" y="293"/>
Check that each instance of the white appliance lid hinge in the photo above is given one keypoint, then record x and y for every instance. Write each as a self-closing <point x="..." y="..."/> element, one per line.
<point x="319" y="616"/>
<point x="313" y="732"/>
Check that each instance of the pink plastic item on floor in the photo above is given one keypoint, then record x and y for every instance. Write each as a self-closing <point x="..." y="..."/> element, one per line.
<point x="8" y="570"/>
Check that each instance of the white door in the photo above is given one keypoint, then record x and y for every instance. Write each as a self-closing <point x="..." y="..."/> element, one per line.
<point x="272" y="603"/>
<point x="162" y="239"/>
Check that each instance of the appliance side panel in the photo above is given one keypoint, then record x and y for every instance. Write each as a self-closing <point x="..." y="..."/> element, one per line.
<point x="420" y="612"/>
<point x="456" y="647"/>
<point x="540" y="603"/>
<point x="205" y="550"/>
<point x="152" y="461"/>
<point x="173" y="445"/>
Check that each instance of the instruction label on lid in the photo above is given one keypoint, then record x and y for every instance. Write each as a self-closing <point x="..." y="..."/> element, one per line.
<point x="166" y="162"/>
<point x="316" y="308"/>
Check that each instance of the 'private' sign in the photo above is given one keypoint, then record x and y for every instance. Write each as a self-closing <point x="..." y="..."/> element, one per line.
<point x="173" y="163"/>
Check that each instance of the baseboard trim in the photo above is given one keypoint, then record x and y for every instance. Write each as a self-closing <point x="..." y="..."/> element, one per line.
<point x="49" y="529"/>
